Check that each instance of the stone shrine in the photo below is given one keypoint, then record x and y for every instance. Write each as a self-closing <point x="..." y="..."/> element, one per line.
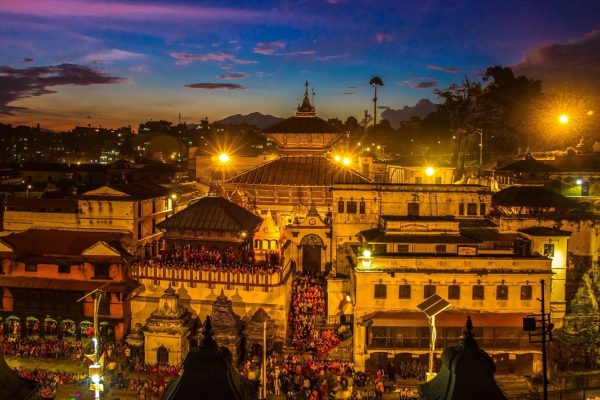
<point x="167" y="336"/>
<point x="227" y="326"/>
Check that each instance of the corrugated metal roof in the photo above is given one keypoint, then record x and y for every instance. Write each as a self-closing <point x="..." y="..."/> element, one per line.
<point x="297" y="124"/>
<point x="54" y="242"/>
<point x="213" y="213"/>
<point x="136" y="190"/>
<point x="300" y="171"/>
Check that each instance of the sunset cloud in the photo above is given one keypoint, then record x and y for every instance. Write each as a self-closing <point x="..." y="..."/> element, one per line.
<point x="111" y="55"/>
<point x="16" y="84"/>
<point x="419" y="84"/>
<point x="384" y="37"/>
<point x="234" y="75"/>
<point x="269" y="48"/>
<point x="26" y="60"/>
<point x="188" y="58"/>
<point x="572" y="62"/>
<point x="215" y="86"/>
<point x="451" y="70"/>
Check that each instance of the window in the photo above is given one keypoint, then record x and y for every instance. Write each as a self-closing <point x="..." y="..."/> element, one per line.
<point x="502" y="292"/>
<point x="482" y="209"/>
<point x="461" y="209"/>
<point x="418" y="180"/>
<point x="478" y="292"/>
<point x="139" y="229"/>
<point x="454" y="292"/>
<point x="362" y="207"/>
<point x="402" y="248"/>
<point x="64" y="269"/>
<point x="440" y="249"/>
<point x="104" y="306"/>
<point x="413" y="209"/>
<point x="549" y="250"/>
<point x="340" y="207"/>
<point x="428" y="291"/>
<point x="101" y="271"/>
<point x="380" y="291"/>
<point x="351" y="207"/>
<point x="153" y="225"/>
<point x="472" y="209"/>
<point x="438" y="180"/>
<point x="526" y="292"/>
<point x="31" y="267"/>
<point x="404" y="292"/>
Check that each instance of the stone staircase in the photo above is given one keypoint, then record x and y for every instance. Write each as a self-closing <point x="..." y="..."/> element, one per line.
<point x="343" y="351"/>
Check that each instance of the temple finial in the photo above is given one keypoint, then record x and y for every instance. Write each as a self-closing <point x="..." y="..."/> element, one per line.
<point x="207" y="334"/>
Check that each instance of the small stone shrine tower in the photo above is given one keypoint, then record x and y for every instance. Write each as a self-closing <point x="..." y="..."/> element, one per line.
<point x="227" y="326"/>
<point x="166" y="339"/>
<point x="467" y="372"/>
<point x="254" y="330"/>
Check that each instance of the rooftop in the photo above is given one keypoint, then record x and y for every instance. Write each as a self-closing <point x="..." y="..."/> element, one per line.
<point x="377" y="235"/>
<point x="213" y="213"/>
<point x="300" y="171"/>
<point x="544" y="231"/>
<point x="531" y="196"/>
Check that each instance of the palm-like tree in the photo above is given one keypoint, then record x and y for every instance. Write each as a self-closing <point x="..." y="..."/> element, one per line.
<point x="375" y="81"/>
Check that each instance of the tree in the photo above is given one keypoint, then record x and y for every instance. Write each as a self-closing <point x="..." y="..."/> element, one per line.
<point x="375" y="82"/>
<point x="460" y="103"/>
<point x="507" y="107"/>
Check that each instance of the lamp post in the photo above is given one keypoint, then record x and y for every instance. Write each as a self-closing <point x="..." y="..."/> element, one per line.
<point x="480" y="133"/>
<point x="95" y="370"/>
<point x="431" y="307"/>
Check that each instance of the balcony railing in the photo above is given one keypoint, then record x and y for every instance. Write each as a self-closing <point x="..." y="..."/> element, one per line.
<point x="229" y="278"/>
<point x="423" y="343"/>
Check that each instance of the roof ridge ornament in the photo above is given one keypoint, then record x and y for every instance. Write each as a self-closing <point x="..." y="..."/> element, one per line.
<point x="306" y="109"/>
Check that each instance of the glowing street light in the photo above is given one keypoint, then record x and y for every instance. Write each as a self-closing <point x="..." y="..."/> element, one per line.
<point x="429" y="171"/>
<point x="590" y="113"/>
<point x="337" y="158"/>
<point x="223" y="158"/>
<point x="563" y="119"/>
<point x="578" y="182"/>
<point x="346" y="161"/>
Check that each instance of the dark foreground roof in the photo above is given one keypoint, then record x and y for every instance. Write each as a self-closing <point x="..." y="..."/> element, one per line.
<point x="467" y="372"/>
<point x="529" y="165"/>
<point x="544" y="231"/>
<point x="297" y="124"/>
<point x="12" y="386"/>
<point x="135" y="190"/>
<point x="531" y="196"/>
<point x="212" y="213"/>
<point x="209" y="374"/>
<point x="300" y="171"/>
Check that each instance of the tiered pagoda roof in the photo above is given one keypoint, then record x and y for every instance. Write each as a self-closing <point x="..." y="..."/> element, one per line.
<point x="212" y="213"/>
<point x="300" y="171"/>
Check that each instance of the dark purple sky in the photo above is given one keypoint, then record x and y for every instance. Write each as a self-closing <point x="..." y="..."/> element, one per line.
<point x="66" y="62"/>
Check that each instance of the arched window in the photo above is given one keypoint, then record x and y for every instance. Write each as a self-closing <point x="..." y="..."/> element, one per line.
<point x="162" y="355"/>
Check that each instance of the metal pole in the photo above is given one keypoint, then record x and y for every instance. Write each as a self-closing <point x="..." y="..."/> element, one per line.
<point x="432" y="344"/>
<point x="375" y="107"/>
<point x="264" y="359"/>
<point x="480" y="147"/>
<point x="544" y="356"/>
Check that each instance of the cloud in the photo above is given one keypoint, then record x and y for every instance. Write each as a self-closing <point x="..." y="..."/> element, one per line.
<point x="111" y="55"/>
<point x="423" y="108"/>
<point x="130" y="11"/>
<point x="298" y="53"/>
<point x="234" y="75"/>
<point x="269" y="48"/>
<point x="419" y="85"/>
<point x="450" y="70"/>
<point x="331" y="57"/>
<point x="140" y="69"/>
<point x="215" y="86"/>
<point x="16" y="84"/>
<point x="575" y="62"/>
<point x="188" y="58"/>
<point x="384" y="37"/>
<point x="26" y="60"/>
<point x="349" y="93"/>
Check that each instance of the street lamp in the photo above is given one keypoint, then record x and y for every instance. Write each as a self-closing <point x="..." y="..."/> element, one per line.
<point x="224" y="160"/>
<point x="429" y="171"/>
<point x="480" y="133"/>
<point x="346" y="160"/>
<point x="563" y="119"/>
<point x="431" y="307"/>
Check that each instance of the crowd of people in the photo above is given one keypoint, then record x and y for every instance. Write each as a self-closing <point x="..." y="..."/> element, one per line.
<point x="48" y="380"/>
<point x="47" y="348"/>
<point x="214" y="259"/>
<point x="307" y="305"/>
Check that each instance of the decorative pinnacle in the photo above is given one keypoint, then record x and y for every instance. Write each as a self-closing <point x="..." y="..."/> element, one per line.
<point x="207" y="335"/>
